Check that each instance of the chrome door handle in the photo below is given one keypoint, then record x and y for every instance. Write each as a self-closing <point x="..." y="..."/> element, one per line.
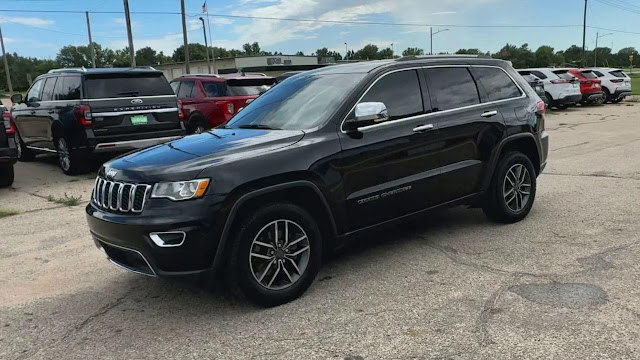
<point x="489" y="113"/>
<point x="422" y="128"/>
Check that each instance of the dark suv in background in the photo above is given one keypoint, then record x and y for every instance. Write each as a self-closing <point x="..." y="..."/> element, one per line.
<point x="75" y="112"/>
<point x="8" y="151"/>
<point x="321" y="156"/>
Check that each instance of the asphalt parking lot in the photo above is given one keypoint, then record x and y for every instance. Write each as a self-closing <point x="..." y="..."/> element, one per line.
<point x="563" y="283"/>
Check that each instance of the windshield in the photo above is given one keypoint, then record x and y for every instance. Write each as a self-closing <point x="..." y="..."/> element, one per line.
<point x="300" y="102"/>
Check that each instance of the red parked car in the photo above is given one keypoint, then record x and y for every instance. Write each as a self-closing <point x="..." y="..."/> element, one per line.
<point x="209" y="100"/>
<point x="590" y="86"/>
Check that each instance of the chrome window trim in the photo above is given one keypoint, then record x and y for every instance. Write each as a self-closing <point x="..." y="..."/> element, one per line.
<point x="415" y="117"/>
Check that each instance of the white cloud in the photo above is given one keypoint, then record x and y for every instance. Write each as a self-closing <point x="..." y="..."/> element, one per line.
<point x="122" y="22"/>
<point x="444" y="13"/>
<point x="30" y="21"/>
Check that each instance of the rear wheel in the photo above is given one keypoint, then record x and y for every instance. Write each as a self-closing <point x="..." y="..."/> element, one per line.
<point x="513" y="189"/>
<point x="607" y="95"/>
<point x="198" y="124"/>
<point x="70" y="161"/>
<point x="24" y="154"/>
<point x="276" y="255"/>
<point x="6" y="175"/>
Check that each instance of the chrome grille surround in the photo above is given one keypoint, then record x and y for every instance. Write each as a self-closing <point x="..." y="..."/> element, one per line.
<point x="118" y="196"/>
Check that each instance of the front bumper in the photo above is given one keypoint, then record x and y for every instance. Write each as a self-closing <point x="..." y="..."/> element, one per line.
<point x="126" y="238"/>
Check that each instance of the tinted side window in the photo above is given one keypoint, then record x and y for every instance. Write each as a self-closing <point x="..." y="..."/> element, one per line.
<point x="47" y="91"/>
<point x="186" y="87"/>
<point x="214" y="88"/>
<point x="598" y="73"/>
<point x="175" y="86"/>
<point x="34" y="92"/>
<point x="496" y="83"/>
<point x="67" y="88"/>
<point x="539" y="74"/>
<point x="400" y="92"/>
<point x="619" y="74"/>
<point x="452" y="87"/>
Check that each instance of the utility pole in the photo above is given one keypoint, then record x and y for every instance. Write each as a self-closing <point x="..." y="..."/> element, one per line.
<point x="127" y="17"/>
<point x="186" y="42"/>
<point x="595" y="51"/>
<point x="213" y="51"/>
<point x="6" y="63"/>
<point x="206" y="46"/>
<point x="584" y="33"/>
<point x="91" y="48"/>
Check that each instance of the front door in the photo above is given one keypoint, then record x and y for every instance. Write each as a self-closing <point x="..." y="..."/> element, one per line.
<point x="25" y="114"/>
<point x="390" y="169"/>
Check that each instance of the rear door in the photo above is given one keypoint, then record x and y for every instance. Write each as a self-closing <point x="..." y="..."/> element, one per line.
<point x="467" y="130"/>
<point x="136" y="104"/>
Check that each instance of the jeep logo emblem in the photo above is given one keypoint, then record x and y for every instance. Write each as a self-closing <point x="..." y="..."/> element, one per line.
<point x="136" y="101"/>
<point x="111" y="173"/>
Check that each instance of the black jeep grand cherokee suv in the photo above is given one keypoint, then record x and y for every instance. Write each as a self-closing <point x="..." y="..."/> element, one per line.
<point x="321" y="156"/>
<point x="73" y="112"/>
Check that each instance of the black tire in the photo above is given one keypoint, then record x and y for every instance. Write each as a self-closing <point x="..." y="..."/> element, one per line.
<point x="6" y="175"/>
<point x="71" y="161"/>
<point x="24" y="154"/>
<point x="240" y="275"/>
<point x="547" y="101"/>
<point x="607" y="95"/>
<point x="618" y="100"/>
<point x="497" y="207"/>
<point x="197" y="125"/>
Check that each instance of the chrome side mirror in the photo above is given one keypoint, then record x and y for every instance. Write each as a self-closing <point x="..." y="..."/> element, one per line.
<point x="367" y="113"/>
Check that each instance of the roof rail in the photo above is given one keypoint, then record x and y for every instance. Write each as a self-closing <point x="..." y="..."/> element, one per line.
<point x="207" y="75"/>
<point x="444" y="56"/>
<point x="64" y="70"/>
<point x="145" y="67"/>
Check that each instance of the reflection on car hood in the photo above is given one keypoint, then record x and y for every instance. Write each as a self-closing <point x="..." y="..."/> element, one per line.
<point x="193" y="153"/>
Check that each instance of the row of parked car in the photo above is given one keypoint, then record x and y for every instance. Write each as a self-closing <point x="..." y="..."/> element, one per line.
<point x="76" y="112"/>
<point x="562" y="87"/>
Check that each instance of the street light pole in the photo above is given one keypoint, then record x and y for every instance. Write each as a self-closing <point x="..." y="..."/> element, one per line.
<point x="346" y="51"/>
<point x="187" y="69"/>
<point x="584" y="33"/>
<point x="392" y="50"/>
<point x="91" y="48"/>
<point x="204" y="30"/>
<point x="434" y="33"/>
<point x="595" y="51"/>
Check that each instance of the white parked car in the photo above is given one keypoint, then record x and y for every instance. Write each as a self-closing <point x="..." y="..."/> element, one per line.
<point x="615" y="83"/>
<point x="561" y="89"/>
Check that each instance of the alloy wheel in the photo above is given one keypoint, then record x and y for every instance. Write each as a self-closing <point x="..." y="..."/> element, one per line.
<point x="64" y="157"/>
<point x="516" y="188"/>
<point x="279" y="254"/>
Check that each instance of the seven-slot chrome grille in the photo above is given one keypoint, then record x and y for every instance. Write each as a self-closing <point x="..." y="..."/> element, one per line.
<point x="121" y="197"/>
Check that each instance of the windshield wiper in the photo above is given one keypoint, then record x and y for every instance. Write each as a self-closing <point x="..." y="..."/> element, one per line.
<point x="256" y="126"/>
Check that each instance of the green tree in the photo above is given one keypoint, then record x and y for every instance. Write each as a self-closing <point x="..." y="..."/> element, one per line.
<point x="146" y="56"/>
<point x="386" y="53"/>
<point x="368" y="52"/>
<point x="469" y="52"/>
<point x="74" y="56"/>
<point x="299" y="53"/>
<point x="413" y="51"/>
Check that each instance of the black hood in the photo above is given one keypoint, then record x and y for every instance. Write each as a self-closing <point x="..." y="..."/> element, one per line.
<point x="184" y="158"/>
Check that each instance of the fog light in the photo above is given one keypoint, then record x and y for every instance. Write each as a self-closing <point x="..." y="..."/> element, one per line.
<point x="168" y="239"/>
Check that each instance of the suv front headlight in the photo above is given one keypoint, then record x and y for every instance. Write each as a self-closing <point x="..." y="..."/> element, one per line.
<point x="180" y="190"/>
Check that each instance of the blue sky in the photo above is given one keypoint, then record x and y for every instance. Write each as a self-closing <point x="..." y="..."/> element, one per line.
<point x="42" y="34"/>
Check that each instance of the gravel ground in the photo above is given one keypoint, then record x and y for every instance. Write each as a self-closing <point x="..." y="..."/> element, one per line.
<point x="560" y="284"/>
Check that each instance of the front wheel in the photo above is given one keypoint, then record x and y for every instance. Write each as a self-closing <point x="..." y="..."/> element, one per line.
<point x="6" y="175"/>
<point x="513" y="189"/>
<point x="276" y="255"/>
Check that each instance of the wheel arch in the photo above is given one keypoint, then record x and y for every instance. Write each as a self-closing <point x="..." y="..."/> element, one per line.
<point x="524" y="143"/>
<point x="303" y="193"/>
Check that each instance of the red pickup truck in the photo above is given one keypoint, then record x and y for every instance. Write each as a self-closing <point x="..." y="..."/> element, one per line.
<point x="209" y="100"/>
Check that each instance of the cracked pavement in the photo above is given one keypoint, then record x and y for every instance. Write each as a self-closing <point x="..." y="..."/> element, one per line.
<point x="451" y="285"/>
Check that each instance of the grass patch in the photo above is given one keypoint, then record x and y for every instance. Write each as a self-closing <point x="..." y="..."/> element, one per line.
<point x="635" y="83"/>
<point x="7" y="213"/>
<point x="66" y="200"/>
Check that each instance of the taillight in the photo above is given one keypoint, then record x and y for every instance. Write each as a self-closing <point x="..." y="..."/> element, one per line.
<point x="180" y="112"/>
<point x="7" y="119"/>
<point x="230" y="108"/>
<point x="82" y="114"/>
<point x="617" y="80"/>
<point x="560" y="81"/>
<point x="541" y="107"/>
